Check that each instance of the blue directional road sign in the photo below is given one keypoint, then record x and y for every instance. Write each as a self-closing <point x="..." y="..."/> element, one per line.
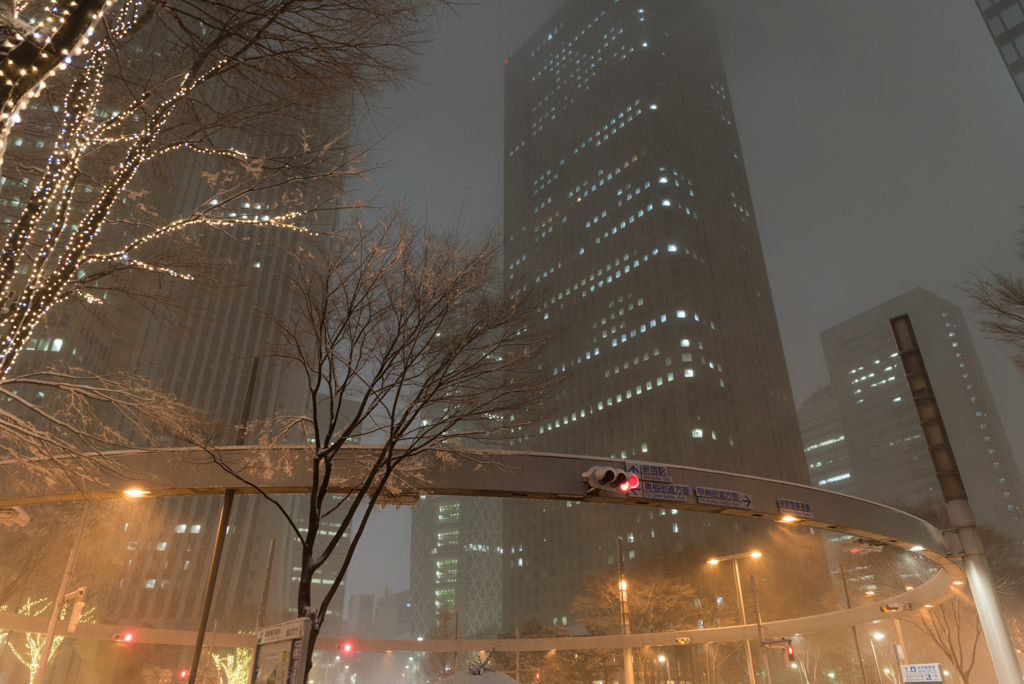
<point x="665" y="492"/>
<point x="723" y="497"/>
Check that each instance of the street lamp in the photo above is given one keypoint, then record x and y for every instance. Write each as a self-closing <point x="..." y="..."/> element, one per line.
<point x="735" y="558"/>
<point x="668" y="668"/>
<point x="877" y="636"/>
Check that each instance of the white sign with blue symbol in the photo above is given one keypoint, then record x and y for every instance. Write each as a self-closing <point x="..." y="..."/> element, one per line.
<point x="929" y="672"/>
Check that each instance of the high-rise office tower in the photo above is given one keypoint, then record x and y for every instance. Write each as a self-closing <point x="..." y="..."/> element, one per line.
<point x="626" y="198"/>
<point x="1005" y="21"/>
<point x="821" y="428"/>
<point x="456" y="562"/>
<point x="888" y="459"/>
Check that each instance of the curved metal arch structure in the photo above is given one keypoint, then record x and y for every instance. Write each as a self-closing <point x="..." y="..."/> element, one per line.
<point x="487" y="473"/>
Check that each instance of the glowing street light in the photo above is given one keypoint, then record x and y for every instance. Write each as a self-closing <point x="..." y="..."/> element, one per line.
<point x="735" y="558"/>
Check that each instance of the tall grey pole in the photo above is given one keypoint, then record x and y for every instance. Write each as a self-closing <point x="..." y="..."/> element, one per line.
<point x="760" y="632"/>
<point x="743" y="618"/>
<point x="261" y="614"/>
<point x="58" y="602"/>
<point x="517" y="654"/>
<point x="874" y="653"/>
<point x="627" y="652"/>
<point x="856" y="640"/>
<point x="211" y="583"/>
<point x="979" y="577"/>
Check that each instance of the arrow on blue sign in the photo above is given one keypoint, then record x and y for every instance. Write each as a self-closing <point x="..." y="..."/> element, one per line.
<point x="746" y="500"/>
<point x="633" y="469"/>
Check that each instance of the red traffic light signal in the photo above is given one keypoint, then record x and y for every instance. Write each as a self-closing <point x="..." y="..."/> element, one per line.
<point x="791" y="655"/>
<point x="347" y="647"/>
<point x="183" y="675"/>
<point x="609" y="479"/>
<point x="125" y="637"/>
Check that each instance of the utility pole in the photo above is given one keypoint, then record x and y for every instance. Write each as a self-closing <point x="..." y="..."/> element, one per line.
<point x="517" y="654"/>
<point x="760" y="632"/>
<point x="261" y="614"/>
<point x="958" y="507"/>
<point x="627" y="652"/>
<point x="58" y="602"/>
<point x="743" y="617"/>
<point x="856" y="640"/>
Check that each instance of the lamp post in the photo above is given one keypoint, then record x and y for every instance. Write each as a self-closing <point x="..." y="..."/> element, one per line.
<point x="668" y="668"/>
<point x="876" y="637"/>
<point x="627" y="652"/>
<point x="735" y="558"/>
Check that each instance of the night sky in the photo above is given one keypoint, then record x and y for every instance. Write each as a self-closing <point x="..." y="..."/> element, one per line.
<point x="882" y="143"/>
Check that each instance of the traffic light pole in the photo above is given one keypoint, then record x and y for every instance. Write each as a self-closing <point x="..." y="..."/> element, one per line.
<point x="856" y="640"/>
<point x="760" y="632"/>
<point x="627" y="652"/>
<point x="58" y="602"/>
<point x="211" y="583"/>
<point x="954" y="494"/>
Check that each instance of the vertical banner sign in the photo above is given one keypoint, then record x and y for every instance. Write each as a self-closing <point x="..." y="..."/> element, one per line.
<point x="281" y="653"/>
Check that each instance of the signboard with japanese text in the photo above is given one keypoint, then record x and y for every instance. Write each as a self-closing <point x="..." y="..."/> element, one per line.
<point x="665" y="492"/>
<point x="928" y="672"/>
<point x="281" y="653"/>
<point x="795" y="508"/>
<point x="723" y="497"/>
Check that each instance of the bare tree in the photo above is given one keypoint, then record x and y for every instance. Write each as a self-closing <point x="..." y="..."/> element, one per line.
<point x="660" y="598"/>
<point x="37" y="39"/>
<point x="440" y="664"/>
<point x="408" y="346"/>
<point x="999" y="299"/>
<point x="247" y="105"/>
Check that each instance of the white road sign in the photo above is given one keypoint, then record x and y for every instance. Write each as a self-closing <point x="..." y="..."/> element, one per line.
<point x="928" y="672"/>
<point x="795" y="508"/>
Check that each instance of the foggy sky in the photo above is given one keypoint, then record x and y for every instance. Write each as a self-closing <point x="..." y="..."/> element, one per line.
<point x="882" y="143"/>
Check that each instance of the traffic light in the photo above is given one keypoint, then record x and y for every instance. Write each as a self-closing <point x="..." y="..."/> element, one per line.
<point x="790" y="656"/>
<point x="347" y="648"/>
<point x="183" y="675"/>
<point x="861" y="546"/>
<point x="609" y="479"/>
<point x="894" y="607"/>
<point x="13" y="515"/>
<point x="125" y="637"/>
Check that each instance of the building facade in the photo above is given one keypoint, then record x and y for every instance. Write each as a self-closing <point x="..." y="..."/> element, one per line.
<point x="1005" y="21"/>
<point x="821" y="427"/>
<point x="888" y="458"/>
<point x="626" y="199"/>
<point x="455" y="560"/>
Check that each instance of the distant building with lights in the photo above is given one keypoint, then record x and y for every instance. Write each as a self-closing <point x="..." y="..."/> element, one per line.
<point x="887" y="459"/>
<point x="626" y="199"/>
<point x="455" y="560"/>
<point x="821" y="428"/>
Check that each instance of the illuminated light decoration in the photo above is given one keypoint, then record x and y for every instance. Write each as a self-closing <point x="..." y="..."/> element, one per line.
<point x="43" y="265"/>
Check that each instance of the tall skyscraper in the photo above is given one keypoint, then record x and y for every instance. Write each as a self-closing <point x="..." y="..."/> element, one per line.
<point x="626" y="198"/>
<point x="1005" y="21"/>
<point x="888" y="459"/>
